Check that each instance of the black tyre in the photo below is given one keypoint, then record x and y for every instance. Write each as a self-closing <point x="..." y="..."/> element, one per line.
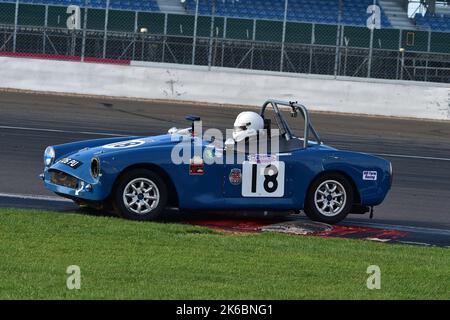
<point x="329" y="199"/>
<point x="140" y="195"/>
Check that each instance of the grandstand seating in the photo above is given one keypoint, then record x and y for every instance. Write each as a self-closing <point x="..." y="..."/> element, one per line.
<point x="320" y="11"/>
<point x="433" y="22"/>
<point x="143" y="5"/>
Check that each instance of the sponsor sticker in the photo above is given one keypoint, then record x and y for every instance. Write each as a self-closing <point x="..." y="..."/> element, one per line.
<point x="124" y="144"/>
<point x="70" y="162"/>
<point x="235" y="177"/>
<point x="262" y="158"/>
<point x="370" y="175"/>
<point x="196" y="167"/>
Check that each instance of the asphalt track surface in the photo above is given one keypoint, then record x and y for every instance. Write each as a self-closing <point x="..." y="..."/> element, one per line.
<point x="419" y="150"/>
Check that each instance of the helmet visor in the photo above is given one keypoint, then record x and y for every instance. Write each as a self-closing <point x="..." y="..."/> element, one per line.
<point x="240" y="128"/>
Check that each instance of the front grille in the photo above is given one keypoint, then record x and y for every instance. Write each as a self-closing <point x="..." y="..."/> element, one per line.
<point x="63" y="179"/>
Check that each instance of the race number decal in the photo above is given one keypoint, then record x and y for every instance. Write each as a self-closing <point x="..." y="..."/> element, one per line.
<point x="265" y="180"/>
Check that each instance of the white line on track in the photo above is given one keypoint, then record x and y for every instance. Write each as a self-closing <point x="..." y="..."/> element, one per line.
<point x="63" y="131"/>
<point x="400" y="227"/>
<point x="33" y="197"/>
<point x="120" y="135"/>
<point x="412" y="157"/>
<point x="415" y="243"/>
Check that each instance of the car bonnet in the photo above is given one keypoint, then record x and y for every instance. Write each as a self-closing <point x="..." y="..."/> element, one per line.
<point x="78" y="163"/>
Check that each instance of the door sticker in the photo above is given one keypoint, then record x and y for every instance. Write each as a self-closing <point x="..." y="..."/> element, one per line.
<point x="264" y="180"/>
<point x="235" y="177"/>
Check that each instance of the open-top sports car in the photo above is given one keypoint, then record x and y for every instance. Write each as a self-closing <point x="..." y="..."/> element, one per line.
<point x="138" y="177"/>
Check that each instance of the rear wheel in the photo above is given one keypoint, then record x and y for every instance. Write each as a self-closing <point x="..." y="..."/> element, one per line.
<point x="329" y="199"/>
<point x="140" y="195"/>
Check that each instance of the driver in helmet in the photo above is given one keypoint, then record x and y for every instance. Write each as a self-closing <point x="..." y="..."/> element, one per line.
<point x="248" y="129"/>
<point x="247" y="126"/>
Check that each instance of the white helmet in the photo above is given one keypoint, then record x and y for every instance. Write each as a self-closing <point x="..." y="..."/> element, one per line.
<point x="247" y="125"/>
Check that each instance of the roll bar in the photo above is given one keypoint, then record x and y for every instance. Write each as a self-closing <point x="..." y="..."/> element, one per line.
<point x="295" y="108"/>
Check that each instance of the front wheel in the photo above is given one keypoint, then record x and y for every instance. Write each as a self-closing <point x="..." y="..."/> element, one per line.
<point x="140" y="195"/>
<point x="330" y="198"/>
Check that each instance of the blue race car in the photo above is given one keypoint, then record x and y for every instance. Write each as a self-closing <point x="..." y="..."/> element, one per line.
<point x="138" y="177"/>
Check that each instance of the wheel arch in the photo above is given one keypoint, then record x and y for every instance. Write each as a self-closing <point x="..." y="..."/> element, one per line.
<point x="173" y="199"/>
<point x="356" y="194"/>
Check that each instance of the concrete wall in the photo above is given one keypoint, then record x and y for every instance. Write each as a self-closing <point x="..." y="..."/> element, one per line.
<point x="223" y="86"/>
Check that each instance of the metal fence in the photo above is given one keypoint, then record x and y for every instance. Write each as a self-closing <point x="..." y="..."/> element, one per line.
<point x="204" y="38"/>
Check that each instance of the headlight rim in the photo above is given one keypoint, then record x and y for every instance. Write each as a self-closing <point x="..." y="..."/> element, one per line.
<point x="95" y="171"/>
<point x="49" y="156"/>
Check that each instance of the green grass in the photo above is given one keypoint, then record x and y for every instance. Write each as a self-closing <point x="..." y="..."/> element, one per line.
<point x="124" y="259"/>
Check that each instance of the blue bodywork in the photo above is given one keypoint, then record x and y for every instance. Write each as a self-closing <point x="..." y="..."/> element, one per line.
<point x="213" y="189"/>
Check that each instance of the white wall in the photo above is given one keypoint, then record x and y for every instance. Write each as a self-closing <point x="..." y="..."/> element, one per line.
<point x="226" y="86"/>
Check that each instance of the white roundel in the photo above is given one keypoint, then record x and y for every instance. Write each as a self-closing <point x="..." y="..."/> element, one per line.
<point x="124" y="144"/>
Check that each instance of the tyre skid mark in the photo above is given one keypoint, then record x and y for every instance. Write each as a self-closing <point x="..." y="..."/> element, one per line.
<point x="302" y="227"/>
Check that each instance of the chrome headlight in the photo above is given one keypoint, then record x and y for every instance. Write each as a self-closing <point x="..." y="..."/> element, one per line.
<point x="95" y="168"/>
<point x="49" y="156"/>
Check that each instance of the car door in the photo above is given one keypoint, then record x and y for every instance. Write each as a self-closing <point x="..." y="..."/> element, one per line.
<point x="259" y="181"/>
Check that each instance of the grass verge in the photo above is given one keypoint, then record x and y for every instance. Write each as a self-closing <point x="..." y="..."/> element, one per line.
<point x="124" y="259"/>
